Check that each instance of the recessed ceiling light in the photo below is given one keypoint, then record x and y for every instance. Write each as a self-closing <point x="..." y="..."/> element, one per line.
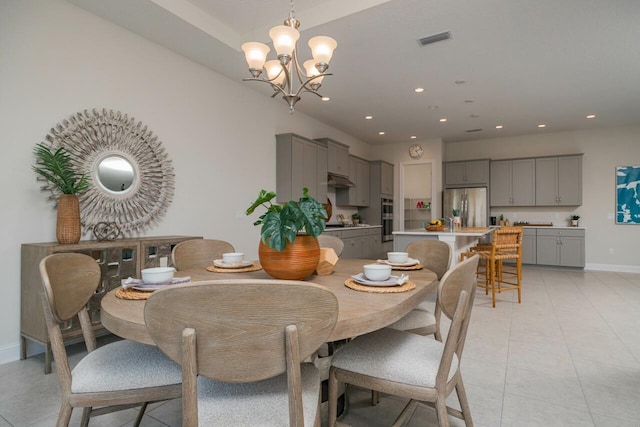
<point x="542" y="125"/>
<point x="591" y="116"/>
<point x="443" y="120"/>
<point x="418" y="90"/>
<point x="413" y="137"/>
<point x="499" y="127"/>
<point x="368" y="117"/>
<point x="381" y="133"/>
<point x="460" y="82"/>
<point x="325" y="98"/>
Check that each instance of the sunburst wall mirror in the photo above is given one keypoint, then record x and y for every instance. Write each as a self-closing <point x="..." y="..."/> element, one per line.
<point x="132" y="177"/>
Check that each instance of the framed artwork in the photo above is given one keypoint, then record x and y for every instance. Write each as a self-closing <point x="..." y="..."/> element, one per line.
<point x="627" y="197"/>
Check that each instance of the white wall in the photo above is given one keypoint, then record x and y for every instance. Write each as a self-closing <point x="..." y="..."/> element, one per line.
<point x="57" y="59"/>
<point x="603" y="149"/>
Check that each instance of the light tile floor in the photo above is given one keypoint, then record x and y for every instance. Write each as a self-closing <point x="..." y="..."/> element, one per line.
<point x="569" y="355"/>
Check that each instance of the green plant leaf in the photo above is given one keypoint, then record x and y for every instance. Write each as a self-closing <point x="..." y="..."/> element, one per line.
<point x="56" y="167"/>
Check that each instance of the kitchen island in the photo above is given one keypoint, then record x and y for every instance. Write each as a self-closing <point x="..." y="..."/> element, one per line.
<point x="460" y="241"/>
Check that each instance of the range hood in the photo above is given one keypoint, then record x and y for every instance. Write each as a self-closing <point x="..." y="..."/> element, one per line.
<point x="339" y="181"/>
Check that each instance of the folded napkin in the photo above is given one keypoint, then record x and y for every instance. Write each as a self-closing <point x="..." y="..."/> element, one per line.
<point x="130" y="282"/>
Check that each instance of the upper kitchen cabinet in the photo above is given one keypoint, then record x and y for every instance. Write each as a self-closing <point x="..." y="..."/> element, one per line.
<point x="513" y="182"/>
<point x="559" y="181"/>
<point x="359" y="175"/>
<point x="467" y="173"/>
<point x="337" y="157"/>
<point x="300" y="162"/>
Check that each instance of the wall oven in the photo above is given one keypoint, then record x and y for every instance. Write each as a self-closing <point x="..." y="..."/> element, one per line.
<point x="387" y="219"/>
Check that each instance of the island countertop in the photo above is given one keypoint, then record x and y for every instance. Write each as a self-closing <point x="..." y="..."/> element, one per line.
<point x="469" y="232"/>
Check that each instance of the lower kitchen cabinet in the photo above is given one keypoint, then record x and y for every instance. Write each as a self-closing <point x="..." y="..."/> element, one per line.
<point x="529" y="246"/>
<point x="561" y="247"/>
<point x="360" y="242"/>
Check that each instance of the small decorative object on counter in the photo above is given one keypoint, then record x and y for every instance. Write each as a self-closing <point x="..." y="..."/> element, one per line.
<point x="355" y="218"/>
<point x="457" y="221"/>
<point x="106" y="231"/>
<point x="575" y="220"/>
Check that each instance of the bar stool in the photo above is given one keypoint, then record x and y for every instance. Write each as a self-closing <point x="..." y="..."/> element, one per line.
<point x="506" y="245"/>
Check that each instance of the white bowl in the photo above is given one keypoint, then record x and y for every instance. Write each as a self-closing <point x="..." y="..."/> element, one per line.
<point x="158" y="274"/>
<point x="233" y="257"/>
<point x="397" y="257"/>
<point x="377" y="272"/>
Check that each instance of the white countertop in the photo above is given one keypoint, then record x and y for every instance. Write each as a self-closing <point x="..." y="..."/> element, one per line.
<point x="445" y="233"/>
<point x="568" y="227"/>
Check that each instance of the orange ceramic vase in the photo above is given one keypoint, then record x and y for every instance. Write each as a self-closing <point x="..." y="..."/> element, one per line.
<point x="296" y="262"/>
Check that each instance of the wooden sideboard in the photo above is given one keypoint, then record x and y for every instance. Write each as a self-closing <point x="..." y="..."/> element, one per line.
<point x="118" y="259"/>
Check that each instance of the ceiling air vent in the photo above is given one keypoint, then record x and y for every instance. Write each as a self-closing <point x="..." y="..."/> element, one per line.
<point x="446" y="35"/>
<point x="473" y="130"/>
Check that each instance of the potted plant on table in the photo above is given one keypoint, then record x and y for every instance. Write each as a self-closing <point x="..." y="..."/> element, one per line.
<point x="457" y="224"/>
<point x="57" y="169"/>
<point x="288" y="246"/>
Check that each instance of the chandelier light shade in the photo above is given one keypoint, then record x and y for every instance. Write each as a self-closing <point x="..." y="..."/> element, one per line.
<point x="284" y="74"/>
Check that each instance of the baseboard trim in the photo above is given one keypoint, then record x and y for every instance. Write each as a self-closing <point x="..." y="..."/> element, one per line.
<point x="613" y="267"/>
<point x="9" y="353"/>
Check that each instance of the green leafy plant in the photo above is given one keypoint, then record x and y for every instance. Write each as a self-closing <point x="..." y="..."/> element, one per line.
<point x="55" y="167"/>
<point x="281" y="223"/>
<point x="355" y="216"/>
<point x="456" y="212"/>
<point x="575" y="217"/>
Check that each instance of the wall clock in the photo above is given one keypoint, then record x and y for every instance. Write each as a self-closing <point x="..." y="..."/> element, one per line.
<point x="415" y="151"/>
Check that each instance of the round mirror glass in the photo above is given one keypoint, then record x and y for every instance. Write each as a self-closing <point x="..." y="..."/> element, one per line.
<point x="116" y="174"/>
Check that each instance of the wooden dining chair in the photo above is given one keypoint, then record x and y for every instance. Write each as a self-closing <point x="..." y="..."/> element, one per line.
<point x="434" y="255"/>
<point x="116" y="376"/>
<point x="493" y="273"/>
<point x="198" y="254"/>
<point x="333" y="242"/>
<point x="241" y="343"/>
<point x="413" y="366"/>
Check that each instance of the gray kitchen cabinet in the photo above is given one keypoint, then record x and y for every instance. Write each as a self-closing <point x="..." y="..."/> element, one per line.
<point x="359" y="242"/>
<point x="381" y="187"/>
<point x="359" y="175"/>
<point x="561" y="247"/>
<point x="559" y="181"/>
<point x="513" y="182"/>
<point x="300" y="163"/>
<point x="529" y="246"/>
<point x="337" y="157"/>
<point x="466" y="173"/>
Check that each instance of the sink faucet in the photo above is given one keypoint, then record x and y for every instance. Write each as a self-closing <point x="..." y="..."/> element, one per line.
<point x="450" y="220"/>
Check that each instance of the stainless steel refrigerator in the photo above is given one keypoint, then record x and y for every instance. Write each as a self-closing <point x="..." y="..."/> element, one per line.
<point x="472" y="202"/>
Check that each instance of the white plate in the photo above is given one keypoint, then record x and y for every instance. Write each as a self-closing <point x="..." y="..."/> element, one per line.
<point x="220" y="263"/>
<point x="150" y="288"/>
<point x="408" y="263"/>
<point x="362" y="279"/>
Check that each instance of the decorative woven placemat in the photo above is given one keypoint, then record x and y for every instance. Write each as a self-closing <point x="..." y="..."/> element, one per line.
<point x="404" y="268"/>
<point x="130" y="293"/>
<point x="407" y="286"/>
<point x="253" y="267"/>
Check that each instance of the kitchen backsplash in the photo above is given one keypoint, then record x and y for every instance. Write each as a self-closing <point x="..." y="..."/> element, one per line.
<point x="558" y="216"/>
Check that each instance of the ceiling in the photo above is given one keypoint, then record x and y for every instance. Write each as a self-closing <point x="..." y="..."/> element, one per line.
<point x="515" y="63"/>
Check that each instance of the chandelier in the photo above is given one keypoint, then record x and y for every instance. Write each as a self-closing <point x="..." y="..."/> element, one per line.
<point x="285" y="72"/>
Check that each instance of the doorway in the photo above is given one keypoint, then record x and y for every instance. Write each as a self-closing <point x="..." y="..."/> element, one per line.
<point x="416" y="196"/>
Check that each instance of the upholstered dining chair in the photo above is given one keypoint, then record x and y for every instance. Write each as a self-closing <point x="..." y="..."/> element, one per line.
<point x="196" y="254"/>
<point x="333" y="242"/>
<point x="415" y="367"/>
<point x="435" y="255"/>
<point x="241" y="343"/>
<point x="116" y="376"/>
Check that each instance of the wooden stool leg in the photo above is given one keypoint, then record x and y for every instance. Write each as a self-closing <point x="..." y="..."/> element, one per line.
<point x="493" y="282"/>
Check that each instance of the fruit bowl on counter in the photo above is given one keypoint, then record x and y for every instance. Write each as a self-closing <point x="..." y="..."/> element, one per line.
<point x="435" y="225"/>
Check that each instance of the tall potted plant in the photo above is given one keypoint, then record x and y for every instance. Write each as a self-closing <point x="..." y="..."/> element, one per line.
<point x="288" y="246"/>
<point x="56" y="167"/>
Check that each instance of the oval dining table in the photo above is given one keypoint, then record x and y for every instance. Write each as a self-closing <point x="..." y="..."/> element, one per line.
<point x="359" y="312"/>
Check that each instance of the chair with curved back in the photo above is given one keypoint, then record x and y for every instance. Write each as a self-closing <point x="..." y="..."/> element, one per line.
<point x="435" y="255"/>
<point x="415" y="367"/>
<point x="333" y="242"/>
<point x="109" y="377"/>
<point x="241" y="343"/>
<point x="197" y="254"/>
